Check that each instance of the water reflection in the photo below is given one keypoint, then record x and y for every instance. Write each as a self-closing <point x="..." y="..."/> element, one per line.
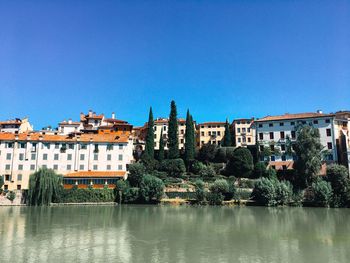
<point x="174" y="234"/>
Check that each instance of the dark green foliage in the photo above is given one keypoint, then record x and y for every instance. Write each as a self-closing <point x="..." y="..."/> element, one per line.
<point x="218" y="167"/>
<point x="240" y="164"/>
<point x="150" y="164"/>
<point x="86" y="195"/>
<point x="207" y="153"/>
<point x="161" y="147"/>
<point x="151" y="188"/>
<point x="160" y="175"/>
<point x="11" y="196"/>
<point x="207" y="171"/>
<point x="196" y="167"/>
<point x="131" y="195"/>
<point x="223" y="154"/>
<point x="149" y="148"/>
<point x="219" y="186"/>
<point x="214" y="198"/>
<point x="200" y="192"/>
<point x="338" y="177"/>
<point x="172" y="180"/>
<point x="173" y="167"/>
<point x="189" y="139"/>
<point x="226" y="140"/>
<point x="260" y="170"/>
<point x="246" y="183"/>
<point x="136" y="172"/>
<point x="1" y="183"/>
<point x="309" y="157"/>
<point x="322" y="192"/>
<point x="284" y="193"/>
<point x="44" y="187"/>
<point x="173" y="136"/>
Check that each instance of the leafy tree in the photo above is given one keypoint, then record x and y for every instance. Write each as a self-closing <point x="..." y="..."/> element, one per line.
<point x="207" y="171"/>
<point x="207" y="152"/>
<point x="189" y="139"/>
<point x="173" y="167"/>
<point x="44" y="187"/>
<point x="322" y="192"/>
<point x="11" y="196"/>
<point x="219" y="186"/>
<point x="223" y="154"/>
<point x="161" y="147"/>
<point x="151" y="188"/>
<point x="214" y="198"/>
<point x="173" y="136"/>
<point x="200" y="192"/>
<point x="196" y="167"/>
<point x="338" y="177"/>
<point x="149" y="148"/>
<point x="284" y="192"/>
<point x="226" y="140"/>
<point x="264" y="192"/>
<point x="260" y="170"/>
<point x="136" y="172"/>
<point x="308" y="150"/>
<point x="241" y="163"/>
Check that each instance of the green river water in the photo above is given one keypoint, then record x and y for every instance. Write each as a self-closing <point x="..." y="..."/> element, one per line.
<point x="173" y="234"/>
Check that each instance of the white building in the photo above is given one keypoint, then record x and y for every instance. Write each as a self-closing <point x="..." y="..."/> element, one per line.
<point x="272" y="131"/>
<point x="16" y="126"/>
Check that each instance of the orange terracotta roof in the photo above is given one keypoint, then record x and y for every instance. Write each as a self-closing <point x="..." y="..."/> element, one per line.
<point x="294" y="116"/>
<point x="100" y="174"/>
<point x="11" y="122"/>
<point x="212" y="123"/>
<point x="113" y="138"/>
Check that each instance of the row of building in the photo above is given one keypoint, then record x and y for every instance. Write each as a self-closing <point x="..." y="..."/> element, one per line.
<point x="96" y="150"/>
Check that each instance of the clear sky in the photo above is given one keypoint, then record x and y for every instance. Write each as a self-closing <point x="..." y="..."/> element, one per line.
<point x="218" y="58"/>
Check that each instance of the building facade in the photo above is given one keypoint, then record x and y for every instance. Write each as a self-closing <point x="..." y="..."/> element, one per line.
<point x="244" y="132"/>
<point x="210" y="133"/>
<point x="16" y="126"/>
<point x="274" y="132"/>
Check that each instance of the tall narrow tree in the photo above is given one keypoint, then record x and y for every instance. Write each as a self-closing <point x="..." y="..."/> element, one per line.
<point x="189" y="138"/>
<point x="149" y="148"/>
<point x="226" y="141"/>
<point x="173" y="134"/>
<point x="161" y="147"/>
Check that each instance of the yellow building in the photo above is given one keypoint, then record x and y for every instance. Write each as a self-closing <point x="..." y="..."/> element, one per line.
<point x="244" y="131"/>
<point x="210" y="133"/>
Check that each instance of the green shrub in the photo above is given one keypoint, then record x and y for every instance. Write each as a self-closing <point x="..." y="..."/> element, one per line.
<point x="240" y="164"/>
<point x="150" y="164"/>
<point x="218" y="167"/>
<point x="136" y="172"/>
<point x="160" y="175"/>
<point x="338" y="177"/>
<point x="219" y="186"/>
<point x="207" y="152"/>
<point x="223" y="154"/>
<point x="264" y="192"/>
<point x="207" y="171"/>
<point x="200" y="192"/>
<point x="87" y="195"/>
<point x="247" y="183"/>
<point x="214" y="198"/>
<point x="322" y="192"/>
<point x="172" y="180"/>
<point x="173" y="167"/>
<point x="196" y="167"/>
<point x="271" y="173"/>
<point x="232" y="190"/>
<point x="284" y="193"/>
<point x="11" y="196"/>
<point x="131" y="195"/>
<point x="260" y="170"/>
<point x="151" y="188"/>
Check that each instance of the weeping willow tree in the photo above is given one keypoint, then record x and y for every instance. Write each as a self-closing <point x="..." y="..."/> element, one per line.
<point x="44" y="186"/>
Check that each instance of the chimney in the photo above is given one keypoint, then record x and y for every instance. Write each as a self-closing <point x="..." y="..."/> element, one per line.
<point x="90" y="113"/>
<point x="113" y="115"/>
<point x="319" y="111"/>
<point x="70" y="121"/>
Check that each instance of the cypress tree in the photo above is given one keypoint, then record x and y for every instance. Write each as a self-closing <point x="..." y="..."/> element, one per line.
<point x="149" y="148"/>
<point x="173" y="134"/>
<point x="226" y="141"/>
<point x="161" y="147"/>
<point x="189" y="138"/>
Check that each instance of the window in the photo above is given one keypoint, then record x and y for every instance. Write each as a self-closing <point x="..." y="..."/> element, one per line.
<point x="81" y="167"/>
<point x="22" y="145"/>
<point x="120" y="157"/>
<point x="260" y="125"/>
<point x="261" y="148"/>
<point x="82" y="157"/>
<point x="270" y="124"/>
<point x="244" y="130"/>
<point x="20" y="167"/>
<point x="109" y="157"/>
<point x="95" y="167"/>
<point x="45" y="156"/>
<point x="293" y="134"/>
<point x="69" y="157"/>
<point x="55" y="167"/>
<point x="9" y="145"/>
<point x="95" y="157"/>
<point x="283" y="147"/>
<point x="182" y="131"/>
<point x="239" y="139"/>
<point x="271" y="136"/>
<point x="209" y="133"/>
<point x="238" y="129"/>
<point x="329" y="145"/>
<point x="292" y="123"/>
<point x="261" y="136"/>
<point x="315" y="121"/>
<point x="19" y="177"/>
<point x="69" y="167"/>
<point x="8" y="156"/>
<point x="327" y="120"/>
<point x="108" y="167"/>
<point x="19" y="187"/>
<point x="96" y="148"/>
<point x="219" y="133"/>
<point x="21" y="156"/>
<point x="328" y="132"/>
<point x="70" y="146"/>
<point x="32" y="167"/>
<point x="181" y="140"/>
<point x="55" y="157"/>
<point x="249" y="139"/>
<point x="272" y="147"/>
<point x="202" y="133"/>
<point x="248" y="130"/>
<point x="282" y="134"/>
<point x="7" y="177"/>
<point x="57" y="145"/>
<point x="273" y="158"/>
<point x="120" y="167"/>
<point x="281" y="123"/>
<point x="283" y="157"/>
<point x="109" y="147"/>
<point x="83" y="146"/>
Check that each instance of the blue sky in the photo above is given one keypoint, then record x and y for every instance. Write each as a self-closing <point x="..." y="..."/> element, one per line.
<point x="218" y="58"/>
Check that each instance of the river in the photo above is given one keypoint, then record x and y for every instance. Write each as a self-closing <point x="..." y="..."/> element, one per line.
<point x="173" y="234"/>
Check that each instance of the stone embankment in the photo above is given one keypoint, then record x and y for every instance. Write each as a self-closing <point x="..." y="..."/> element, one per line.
<point x="16" y="202"/>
